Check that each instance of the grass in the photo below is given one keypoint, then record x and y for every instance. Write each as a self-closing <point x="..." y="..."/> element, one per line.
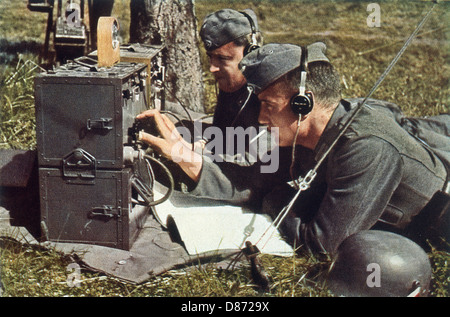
<point x="17" y="118"/>
<point x="28" y="270"/>
<point x="418" y="83"/>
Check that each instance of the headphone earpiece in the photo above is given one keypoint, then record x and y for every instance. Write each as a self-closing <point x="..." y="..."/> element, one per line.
<point x="302" y="103"/>
<point x="253" y="45"/>
<point x="250" y="48"/>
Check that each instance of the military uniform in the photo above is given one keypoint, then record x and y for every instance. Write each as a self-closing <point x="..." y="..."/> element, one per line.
<point x="228" y="110"/>
<point x="378" y="175"/>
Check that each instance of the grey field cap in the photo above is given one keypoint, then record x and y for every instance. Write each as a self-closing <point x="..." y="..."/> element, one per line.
<point x="225" y="26"/>
<point x="270" y="62"/>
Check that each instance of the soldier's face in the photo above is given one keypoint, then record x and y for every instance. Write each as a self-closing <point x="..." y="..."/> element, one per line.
<point x="224" y="65"/>
<point x="275" y="111"/>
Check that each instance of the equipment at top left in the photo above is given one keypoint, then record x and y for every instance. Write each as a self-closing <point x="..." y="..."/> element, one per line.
<point x="71" y="29"/>
<point x="95" y="183"/>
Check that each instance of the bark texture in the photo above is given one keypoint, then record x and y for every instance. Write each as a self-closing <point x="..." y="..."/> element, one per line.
<point x="173" y="23"/>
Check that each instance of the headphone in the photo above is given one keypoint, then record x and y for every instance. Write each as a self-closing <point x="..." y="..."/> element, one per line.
<point x="302" y="103"/>
<point x="253" y="45"/>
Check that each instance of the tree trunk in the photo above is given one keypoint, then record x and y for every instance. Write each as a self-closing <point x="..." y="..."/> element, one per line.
<point x="173" y="23"/>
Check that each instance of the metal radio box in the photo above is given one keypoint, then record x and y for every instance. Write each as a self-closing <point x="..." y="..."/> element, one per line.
<point x="101" y="211"/>
<point x="92" y="187"/>
<point x="81" y="106"/>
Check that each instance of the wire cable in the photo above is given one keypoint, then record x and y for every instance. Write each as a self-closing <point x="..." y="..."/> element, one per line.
<point x="250" y="92"/>
<point x="291" y="168"/>
<point x="169" y="176"/>
<point x="377" y="84"/>
<point x="187" y="112"/>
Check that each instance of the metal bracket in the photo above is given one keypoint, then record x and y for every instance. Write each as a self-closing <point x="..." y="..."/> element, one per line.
<point x="87" y="62"/>
<point x="102" y="123"/>
<point x="105" y="211"/>
<point x="142" y="189"/>
<point x="79" y="163"/>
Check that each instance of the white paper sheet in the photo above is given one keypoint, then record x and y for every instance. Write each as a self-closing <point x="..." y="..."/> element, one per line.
<point x="205" y="226"/>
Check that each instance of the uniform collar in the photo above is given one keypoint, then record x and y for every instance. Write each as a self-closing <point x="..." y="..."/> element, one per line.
<point x="343" y="110"/>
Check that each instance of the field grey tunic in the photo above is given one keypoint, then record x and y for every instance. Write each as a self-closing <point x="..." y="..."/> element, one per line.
<point x="377" y="174"/>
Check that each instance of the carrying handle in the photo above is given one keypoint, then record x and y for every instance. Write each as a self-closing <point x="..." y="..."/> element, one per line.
<point x="82" y="60"/>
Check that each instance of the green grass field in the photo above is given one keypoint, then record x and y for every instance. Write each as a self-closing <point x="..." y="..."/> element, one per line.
<point x="419" y="84"/>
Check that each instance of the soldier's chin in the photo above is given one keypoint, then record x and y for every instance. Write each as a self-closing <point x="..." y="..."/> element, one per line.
<point x="225" y="86"/>
<point x="284" y="142"/>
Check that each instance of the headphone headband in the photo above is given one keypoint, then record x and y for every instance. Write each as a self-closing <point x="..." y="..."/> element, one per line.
<point x="302" y="102"/>
<point x="252" y="26"/>
<point x="253" y="45"/>
<point x="303" y="70"/>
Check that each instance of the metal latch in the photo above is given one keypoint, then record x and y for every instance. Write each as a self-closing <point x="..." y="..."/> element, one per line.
<point x="105" y="211"/>
<point x="102" y="123"/>
<point x="79" y="163"/>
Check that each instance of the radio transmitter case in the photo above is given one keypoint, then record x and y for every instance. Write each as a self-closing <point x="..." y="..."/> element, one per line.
<point x="90" y="191"/>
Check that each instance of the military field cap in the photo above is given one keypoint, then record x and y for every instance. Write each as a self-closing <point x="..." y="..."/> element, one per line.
<point x="225" y="26"/>
<point x="270" y="62"/>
